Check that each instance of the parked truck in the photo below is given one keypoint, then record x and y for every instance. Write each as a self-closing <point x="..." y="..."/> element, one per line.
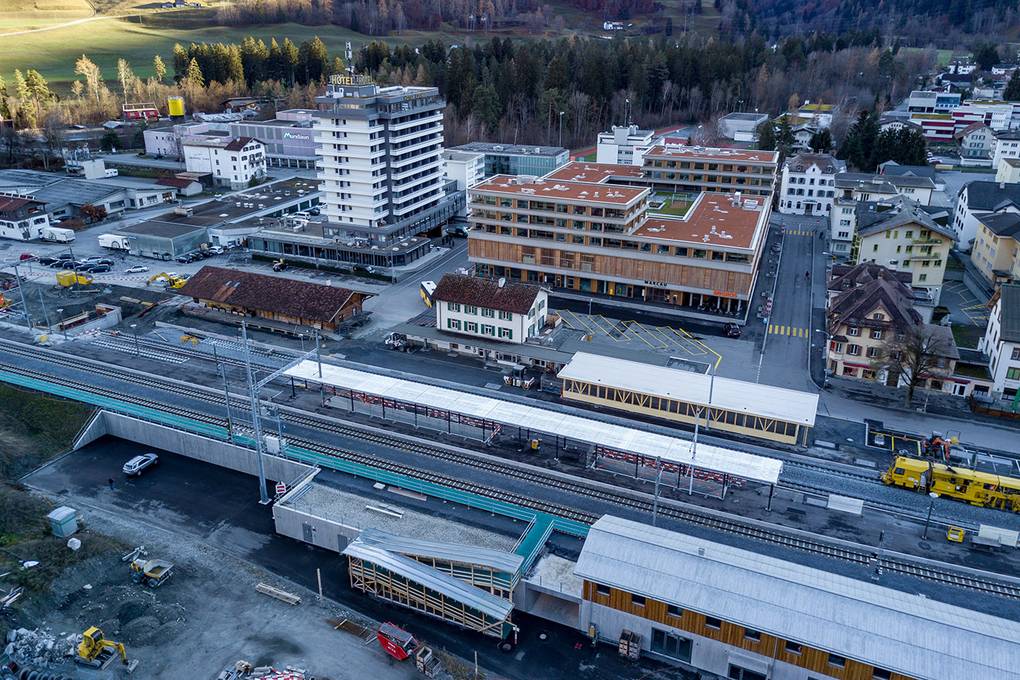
<point x="57" y="234"/>
<point x="113" y="242"/>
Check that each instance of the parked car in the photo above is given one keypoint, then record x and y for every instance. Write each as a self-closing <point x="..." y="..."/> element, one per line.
<point x="71" y="264"/>
<point x="98" y="260"/>
<point x="26" y="256"/>
<point x="97" y="268"/>
<point x="47" y="261"/>
<point x="136" y="269"/>
<point x="732" y="330"/>
<point x="139" y="464"/>
<point x="185" y="258"/>
<point x="215" y="250"/>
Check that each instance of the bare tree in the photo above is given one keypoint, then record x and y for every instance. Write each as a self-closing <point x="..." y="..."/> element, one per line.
<point x="912" y="357"/>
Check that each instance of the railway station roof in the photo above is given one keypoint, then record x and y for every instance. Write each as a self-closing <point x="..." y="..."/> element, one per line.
<point x="498" y="560"/>
<point x="894" y="630"/>
<point x="650" y="444"/>
<point x="459" y="591"/>
<point x="739" y="396"/>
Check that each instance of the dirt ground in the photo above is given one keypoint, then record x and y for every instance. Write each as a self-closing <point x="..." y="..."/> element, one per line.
<point x="205" y="618"/>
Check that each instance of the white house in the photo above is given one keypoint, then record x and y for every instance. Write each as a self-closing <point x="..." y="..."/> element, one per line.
<point x="492" y="309"/>
<point x="1005" y="145"/>
<point x="624" y="145"/>
<point x="233" y="162"/>
<point x="1002" y="342"/>
<point x="21" y="218"/>
<point x="978" y="199"/>
<point x="1008" y="171"/>
<point x="464" y="168"/>
<point x="808" y="184"/>
<point x="975" y="142"/>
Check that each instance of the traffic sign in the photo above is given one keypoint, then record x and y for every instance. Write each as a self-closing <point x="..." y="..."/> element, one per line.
<point x="281" y="488"/>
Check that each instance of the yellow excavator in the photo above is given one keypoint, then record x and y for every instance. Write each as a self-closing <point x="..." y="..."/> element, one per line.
<point x="169" y="280"/>
<point x="96" y="651"/>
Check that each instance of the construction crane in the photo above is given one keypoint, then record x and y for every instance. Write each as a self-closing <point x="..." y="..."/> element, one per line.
<point x="169" y="280"/>
<point x="96" y="651"/>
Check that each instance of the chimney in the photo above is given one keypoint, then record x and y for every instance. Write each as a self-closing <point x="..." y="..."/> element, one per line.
<point x="502" y="282"/>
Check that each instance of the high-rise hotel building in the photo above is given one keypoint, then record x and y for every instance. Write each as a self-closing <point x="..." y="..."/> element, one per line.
<point x="381" y="159"/>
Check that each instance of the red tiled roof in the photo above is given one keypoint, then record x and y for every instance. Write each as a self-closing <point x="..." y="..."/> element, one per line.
<point x="275" y="294"/>
<point x="178" y="182"/>
<point x="8" y="203"/>
<point x="471" y="290"/>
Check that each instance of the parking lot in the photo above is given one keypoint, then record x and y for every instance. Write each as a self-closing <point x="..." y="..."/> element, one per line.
<point x="672" y="339"/>
<point x="964" y="306"/>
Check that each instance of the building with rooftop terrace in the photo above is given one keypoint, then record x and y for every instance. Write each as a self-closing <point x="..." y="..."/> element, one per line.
<point x="517" y="159"/>
<point x="380" y="159"/>
<point x="587" y="239"/>
<point x="678" y="169"/>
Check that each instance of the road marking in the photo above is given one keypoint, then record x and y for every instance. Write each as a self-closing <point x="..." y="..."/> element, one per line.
<point x="791" y="331"/>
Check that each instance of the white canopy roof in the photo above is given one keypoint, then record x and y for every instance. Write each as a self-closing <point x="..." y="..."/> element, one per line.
<point x="766" y="401"/>
<point x="650" y="444"/>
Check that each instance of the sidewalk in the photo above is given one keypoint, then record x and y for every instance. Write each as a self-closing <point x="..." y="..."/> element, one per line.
<point x="973" y="433"/>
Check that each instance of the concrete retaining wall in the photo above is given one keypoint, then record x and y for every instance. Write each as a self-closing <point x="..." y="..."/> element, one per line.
<point x="191" y="445"/>
<point x="302" y="526"/>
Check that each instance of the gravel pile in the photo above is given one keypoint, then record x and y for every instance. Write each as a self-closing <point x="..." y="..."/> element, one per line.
<point x="39" y="648"/>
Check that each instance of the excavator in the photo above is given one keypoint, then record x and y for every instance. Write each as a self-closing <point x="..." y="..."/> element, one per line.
<point x="169" y="280"/>
<point x="96" y="651"/>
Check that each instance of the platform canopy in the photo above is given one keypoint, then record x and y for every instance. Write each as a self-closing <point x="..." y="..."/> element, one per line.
<point x="738" y="396"/>
<point x="507" y="413"/>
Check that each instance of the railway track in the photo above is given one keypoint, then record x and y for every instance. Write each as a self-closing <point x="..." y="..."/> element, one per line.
<point x="773" y="534"/>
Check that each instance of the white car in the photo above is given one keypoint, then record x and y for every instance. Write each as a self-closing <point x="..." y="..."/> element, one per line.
<point x="139" y="464"/>
<point x="137" y="269"/>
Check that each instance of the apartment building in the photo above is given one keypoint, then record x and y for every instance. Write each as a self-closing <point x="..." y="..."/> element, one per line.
<point x="977" y="200"/>
<point x="21" y="218"/>
<point x="901" y="235"/>
<point x="380" y="159"/>
<point x="1005" y="145"/>
<point x="867" y="305"/>
<point x="995" y="113"/>
<point x="859" y="186"/>
<point x="996" y="251"/>
<point x="927" y="101"/>
<point x="975" y="142"/>
<point x="808" y="184"/>
<point x="1008" y="171"/>
<point x="583" y="239"/>
<point x="1001" y="343"/>
<point x="517" y="159"/>
<point x="693" y="169"/>
<point x="233" y="161"/>
<point x="500" y="310"/>
<point x="623" y="145"/>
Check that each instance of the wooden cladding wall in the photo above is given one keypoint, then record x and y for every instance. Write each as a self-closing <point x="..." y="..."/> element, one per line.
<point x="614" y="267"/>
<point x="732" y="634"/>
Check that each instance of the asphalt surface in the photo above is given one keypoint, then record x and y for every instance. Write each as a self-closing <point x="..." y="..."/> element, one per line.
<point x="221" y="507"/>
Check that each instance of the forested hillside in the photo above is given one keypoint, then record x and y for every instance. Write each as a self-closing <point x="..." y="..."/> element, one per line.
<point x="919" y="22"/>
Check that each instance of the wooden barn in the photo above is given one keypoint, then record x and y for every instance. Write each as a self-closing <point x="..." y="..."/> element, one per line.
<point x="275" y="298"/>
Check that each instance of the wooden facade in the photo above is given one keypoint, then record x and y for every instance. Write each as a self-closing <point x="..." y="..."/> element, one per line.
<point x="376" y="580"/>
<point x="632" y="266"/>
<point x="757" y="642"/>
<point x="747" y="424"/>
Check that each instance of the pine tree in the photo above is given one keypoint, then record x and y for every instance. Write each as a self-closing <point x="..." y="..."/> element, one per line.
<point x="181" y="61"/>
<point x="767" y="136"/>
<point x="784" y="138"/>
<point x="194" y="75"/>
<point x="1012" y="91"/>
<point x="159" y="68"/>
<point x="821" y="141"/>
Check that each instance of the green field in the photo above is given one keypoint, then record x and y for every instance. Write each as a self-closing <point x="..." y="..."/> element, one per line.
<point x="53" y="53"/>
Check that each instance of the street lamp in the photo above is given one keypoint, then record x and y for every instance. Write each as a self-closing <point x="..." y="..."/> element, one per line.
<point x="134" y="327"/>
<point x="62" y="326"/>
<point x="561" y="127"/>
<point x="931" y="506"/>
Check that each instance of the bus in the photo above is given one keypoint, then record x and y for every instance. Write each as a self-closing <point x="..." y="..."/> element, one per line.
<point x="427" y="291"/>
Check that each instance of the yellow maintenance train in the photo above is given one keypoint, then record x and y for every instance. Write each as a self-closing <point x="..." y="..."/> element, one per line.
<point x="963" y="484"/>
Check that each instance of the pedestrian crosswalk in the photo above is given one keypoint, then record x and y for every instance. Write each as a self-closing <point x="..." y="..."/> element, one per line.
<point x="792" y="331"/>
<point x="799" y="232"/>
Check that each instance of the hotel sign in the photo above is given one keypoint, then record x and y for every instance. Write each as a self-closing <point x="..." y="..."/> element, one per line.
<point x="349" y="80"/>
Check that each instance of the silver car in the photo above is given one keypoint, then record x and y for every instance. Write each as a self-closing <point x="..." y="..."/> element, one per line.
<point x="139" y="464"/>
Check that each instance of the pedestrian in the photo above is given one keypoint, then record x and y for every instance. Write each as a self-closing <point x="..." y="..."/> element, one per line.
<point x="110" y="482"/>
